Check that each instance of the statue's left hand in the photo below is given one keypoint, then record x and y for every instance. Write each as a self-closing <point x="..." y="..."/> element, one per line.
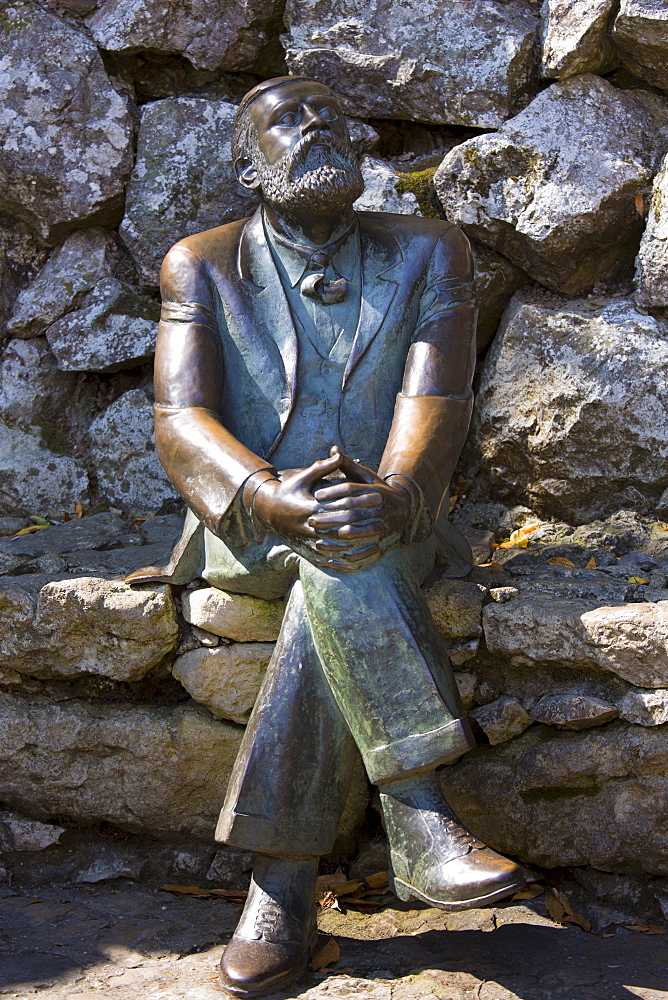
<point x="361" y="508"/>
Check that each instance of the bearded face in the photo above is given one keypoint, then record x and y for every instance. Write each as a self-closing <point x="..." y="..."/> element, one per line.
<point x="320" y="173"/>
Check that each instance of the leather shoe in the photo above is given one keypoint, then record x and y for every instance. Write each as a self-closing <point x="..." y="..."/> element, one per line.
<point x="434" y="858"/>
<point x="278" y="932"/>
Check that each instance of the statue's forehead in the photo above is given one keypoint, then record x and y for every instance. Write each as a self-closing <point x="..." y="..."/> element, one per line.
<point x="286" y="93"/>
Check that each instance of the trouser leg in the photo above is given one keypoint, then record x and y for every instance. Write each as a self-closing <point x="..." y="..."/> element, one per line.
<point x="386" y="666"/>
<point x="291" y="777"/>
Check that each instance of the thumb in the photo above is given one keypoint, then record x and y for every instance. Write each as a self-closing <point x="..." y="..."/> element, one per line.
<point x="307" y="477"/>
<point x="358" y="473"/>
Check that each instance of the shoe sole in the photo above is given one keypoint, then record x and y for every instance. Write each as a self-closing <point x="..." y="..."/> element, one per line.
<point x="407" y="892"/>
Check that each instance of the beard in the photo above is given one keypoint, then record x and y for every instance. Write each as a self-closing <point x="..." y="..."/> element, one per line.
<point x="321" y="180"/>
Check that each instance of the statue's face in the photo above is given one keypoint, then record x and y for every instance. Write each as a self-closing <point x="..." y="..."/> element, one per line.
<point x="301" y="153"/>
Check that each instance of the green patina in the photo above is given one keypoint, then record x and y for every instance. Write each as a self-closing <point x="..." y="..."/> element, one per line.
<point x="421" y="184"/>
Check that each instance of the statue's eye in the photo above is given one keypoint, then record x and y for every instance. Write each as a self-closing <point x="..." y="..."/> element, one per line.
<point x="329" y="114"/>
<point x="288" y="118"/>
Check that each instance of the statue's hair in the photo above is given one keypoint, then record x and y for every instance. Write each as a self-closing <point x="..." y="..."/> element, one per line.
<point x="243" y="133"/>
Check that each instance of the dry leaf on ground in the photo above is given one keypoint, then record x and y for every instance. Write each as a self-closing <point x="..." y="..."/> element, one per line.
<point x="328" y="955"/>
<point x="561" y="561"/>
<point x="644" y="928"/>
<point x="560" y="909"/>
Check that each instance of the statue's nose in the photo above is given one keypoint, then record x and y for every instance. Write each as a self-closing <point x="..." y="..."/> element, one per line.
<point x="311" y="120"/>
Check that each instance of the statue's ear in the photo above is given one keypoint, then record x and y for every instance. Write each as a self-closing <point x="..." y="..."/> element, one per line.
<point x="246" y="173"/>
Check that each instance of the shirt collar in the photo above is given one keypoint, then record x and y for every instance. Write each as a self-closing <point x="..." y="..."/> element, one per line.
<point x="343" y="261"/>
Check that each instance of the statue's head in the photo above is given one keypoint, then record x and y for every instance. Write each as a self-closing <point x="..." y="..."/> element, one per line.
<point x="291" y="145"/>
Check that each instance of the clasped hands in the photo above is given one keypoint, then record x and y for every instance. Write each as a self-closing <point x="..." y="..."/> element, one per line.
<point x="345" y="525"/>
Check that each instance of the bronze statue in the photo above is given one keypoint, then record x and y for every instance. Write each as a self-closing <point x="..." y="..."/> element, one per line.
<point x="313" y="392"/>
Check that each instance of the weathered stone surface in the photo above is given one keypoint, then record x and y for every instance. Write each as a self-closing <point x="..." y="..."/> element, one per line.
<point x="71" y="271"/>
<point x="122" y="450"/>
<point x="82" y="626"/>
<point x="22" y="254"/>
<point x="115" y="328"/>
<point x="554" y="188"/>
<point x="436" y="61"/>
<point x="65" y="132"/>
<point x="233" y="616"/>
<point x="98" y="531"/>
<point x="599" y="797"/>
<point x="466" y="682"/>
<point x="630" y="640"/>
<point x="20" y="834"/>
<point x="34" y="479"/>
<point x="502" y="720"/>
<point x="160" y="769"/>
<point x="652" y="261"/>
<point x="576" y="37"/>
<point x="33" y="393"/>
<point x="645" y="708"/>
<point x="495" y="281"/>
<point x="573" y="711"/>
<point x="225" y="679"/>
<point x="183" y="181"/>
<point x="380" y="193"/>
<point x="211" y="34"/>
<point x="552" y="389"/>
<point x="363" y="137"/>
<point x="640" y="34"/>
<point x="456" y="607"/>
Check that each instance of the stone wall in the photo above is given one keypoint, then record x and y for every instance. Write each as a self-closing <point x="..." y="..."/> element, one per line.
<point x="542" y="131"/>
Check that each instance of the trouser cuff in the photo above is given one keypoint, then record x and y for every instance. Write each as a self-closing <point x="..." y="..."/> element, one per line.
<point x="419" y="752"/>
<point x="267" y="836"/>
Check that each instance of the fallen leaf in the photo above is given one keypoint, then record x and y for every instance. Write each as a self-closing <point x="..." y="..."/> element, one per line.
<point x="231" y="895"/>
<point x="328" y="955"/>
<point x="336" y="883"/>
<point x="36" y="519"/>
<point x="561" y="911"/>
<point x="638" y="579"/>
<point x="520" y="536"/>
<point x="187" y="890"/>
<point x="530" y="891"/>
<point x="644" y="928"/>
<point x="78" y="509"/>
<point x="639" y="202"/>
<point x="377" y="881"/>
<point x="328" y="901"/>
<point x="30" y="530"/>
<point x="561" y="561"/>
<point x="591" y="564"/>
<point x="662" y="525"/>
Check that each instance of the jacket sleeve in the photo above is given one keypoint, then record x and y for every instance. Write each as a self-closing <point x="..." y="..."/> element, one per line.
<point x="433" y="410"/>
<point x="206" y="464"/>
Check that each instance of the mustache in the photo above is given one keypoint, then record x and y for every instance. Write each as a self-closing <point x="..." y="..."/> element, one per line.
<point x="301" y="151"/>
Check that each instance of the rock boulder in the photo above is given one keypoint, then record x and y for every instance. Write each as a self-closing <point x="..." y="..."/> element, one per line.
<point x="553" y="190"/>
<point x="225" y="679"/>
<point x="65" y="132"/>
<point x="652" y="261"/>
<point x="434" y="61"/>
<point x="576" y="37"/>
<point x="640" y="34"/>
<point x="34" y="479"/>
<point x="233" y="616"/>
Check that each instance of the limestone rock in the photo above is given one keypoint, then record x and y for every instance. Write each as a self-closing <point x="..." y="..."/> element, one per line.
<point x="466" y="682"/>
<point x="573" y="711"/>
<point x="554" y="188"/>
<point x="502" y="720"/>
<point x="645" y="708"/>
<point x="495" y="281"/>
<point x="122" y="450"/>
<point x="233" y="616"/>
<point x="157" y="769"/>
<point x="576" y="37"/>
<point x="550" y="396"/>
<point x="363" y="137"/>
<point x="211" y="34"/>
<point x="183" y="181"/>
<point x="115" y="328"/>
<point x="97" y="531"/>
<point x="380" y="194"/>
<point x="72" y="627"/>
<point x="640" y="34"/>
<point x="225" y="679"/>
<point x="71" y="270"/>
<point x="22" y="254"/>
<point x="456" y="607"/>
<point x="33" y="393"/>
<point x="423" y="60"/>
<point x="629" y="640"/>
<point x="597" y="797"/>
<point x="32" y="478"/>
<point x="20" y="834"/>
<point x="65" y="132"/>
<point x="652" y="260"/>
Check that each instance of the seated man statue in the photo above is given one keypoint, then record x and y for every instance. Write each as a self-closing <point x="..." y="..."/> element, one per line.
<point x="313" y="393"/>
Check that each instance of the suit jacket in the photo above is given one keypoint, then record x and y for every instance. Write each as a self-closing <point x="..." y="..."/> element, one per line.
<point x="226" y="358"/>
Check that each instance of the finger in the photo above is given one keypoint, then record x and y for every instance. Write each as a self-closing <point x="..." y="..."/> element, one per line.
<point x="357" y="555"/>
<point x="357" y="471"/>
<point x="343" y="538"/>
<point x="360" y="501"/>
<point x="324" y="521"/>
<point x="340" y="490"/>
<point x="307" y="477"/>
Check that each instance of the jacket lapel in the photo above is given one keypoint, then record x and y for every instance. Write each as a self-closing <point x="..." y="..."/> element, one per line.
<point x="270" y="311"/>
<point x="381" y="253"/>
